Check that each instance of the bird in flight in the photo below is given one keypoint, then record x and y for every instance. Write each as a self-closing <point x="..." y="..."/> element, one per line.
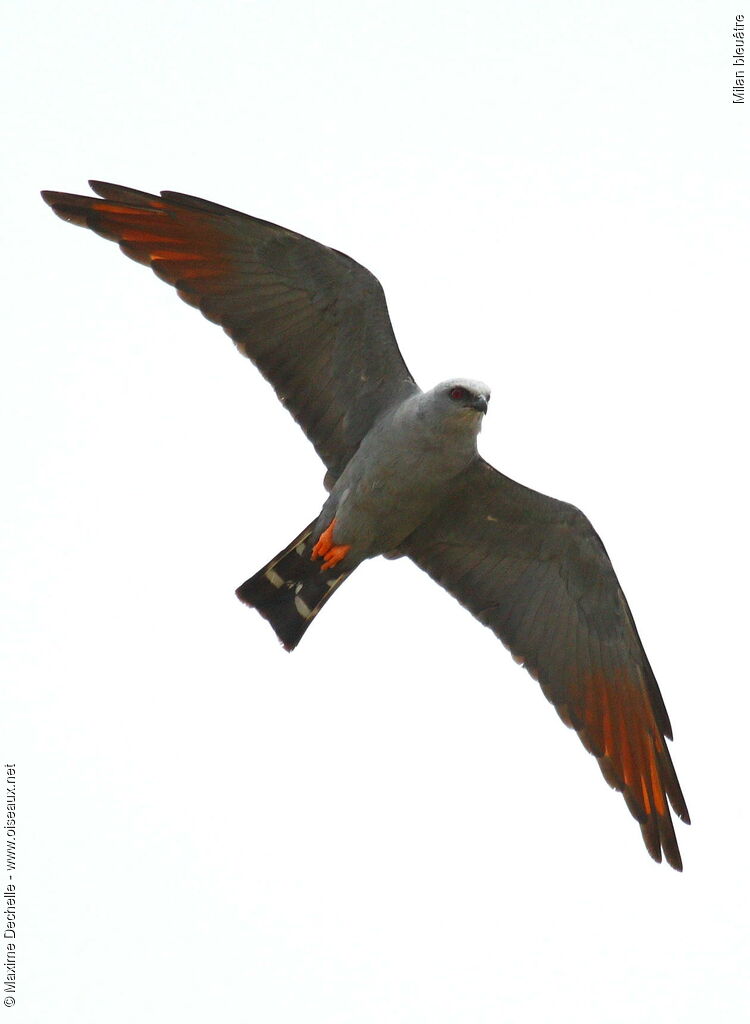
<point x="404" y="478"/>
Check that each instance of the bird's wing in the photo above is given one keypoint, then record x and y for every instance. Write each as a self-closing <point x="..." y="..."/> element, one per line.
<point x="533" y="570"/>
<point x="313" y="321"/>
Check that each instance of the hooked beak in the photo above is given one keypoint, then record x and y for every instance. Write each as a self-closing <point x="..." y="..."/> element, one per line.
<point x="479" y="403"/>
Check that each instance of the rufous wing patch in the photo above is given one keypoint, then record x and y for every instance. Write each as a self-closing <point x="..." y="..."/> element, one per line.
<point x="621" y="730"/>
<point x="180" y="242"/>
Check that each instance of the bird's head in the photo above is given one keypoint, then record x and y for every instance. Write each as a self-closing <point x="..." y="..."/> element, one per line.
<point x="461" y="397"/>
<point x="455" y="408"/>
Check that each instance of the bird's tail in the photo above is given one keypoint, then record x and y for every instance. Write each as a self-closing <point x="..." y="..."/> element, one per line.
<point x="290" y="591"/>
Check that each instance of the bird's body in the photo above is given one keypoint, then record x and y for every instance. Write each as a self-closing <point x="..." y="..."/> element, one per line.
<point x="402" y="469"/>
<point x="404" y="477"/>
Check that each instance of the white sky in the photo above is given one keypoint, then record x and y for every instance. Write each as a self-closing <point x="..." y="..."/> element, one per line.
<point x="390" y="825"/>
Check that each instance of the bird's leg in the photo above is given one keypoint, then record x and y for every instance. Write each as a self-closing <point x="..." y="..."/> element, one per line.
<point x="325" y="548"/>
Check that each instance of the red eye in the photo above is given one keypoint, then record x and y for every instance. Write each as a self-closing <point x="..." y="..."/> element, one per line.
<point x="459" y="394"/>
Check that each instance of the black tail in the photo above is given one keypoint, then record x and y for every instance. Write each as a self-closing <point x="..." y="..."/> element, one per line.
<point x="290" y="591"/>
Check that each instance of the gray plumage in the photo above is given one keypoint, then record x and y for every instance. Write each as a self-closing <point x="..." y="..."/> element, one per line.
<point x="405" y="478"/>
<point x="403" y="467"/>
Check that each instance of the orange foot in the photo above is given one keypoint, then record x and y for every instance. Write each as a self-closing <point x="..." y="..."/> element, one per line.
<point x="325" y="548"/>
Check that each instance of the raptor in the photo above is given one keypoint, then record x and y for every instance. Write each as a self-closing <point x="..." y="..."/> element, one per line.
<point x="404" y="478"/>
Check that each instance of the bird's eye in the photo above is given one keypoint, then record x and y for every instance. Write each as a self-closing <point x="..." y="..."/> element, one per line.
<point x="458" y="394"/>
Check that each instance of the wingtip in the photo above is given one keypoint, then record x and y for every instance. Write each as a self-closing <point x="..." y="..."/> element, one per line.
<point x="51" y="196"/>
<point x="673" y="858"/>
<point x="106" y="189"/>
<point x="70" y="208"/>
<point x="661" y="842"/>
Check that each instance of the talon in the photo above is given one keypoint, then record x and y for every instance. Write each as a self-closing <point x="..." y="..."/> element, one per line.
<point x="335" y="555"/>
<point x="325" y="542"/>
<point x="325" y="548"/>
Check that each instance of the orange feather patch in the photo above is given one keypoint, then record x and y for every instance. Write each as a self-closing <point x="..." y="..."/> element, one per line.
<point x="620" y="726"/>
<point x="164" y="235"/>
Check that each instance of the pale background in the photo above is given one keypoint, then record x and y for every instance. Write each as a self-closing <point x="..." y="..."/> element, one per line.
<point x="390" y="825"/>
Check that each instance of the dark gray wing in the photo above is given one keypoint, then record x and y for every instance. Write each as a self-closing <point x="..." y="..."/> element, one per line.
<point x="533" y="570"/>
<point x="313" y="321"/>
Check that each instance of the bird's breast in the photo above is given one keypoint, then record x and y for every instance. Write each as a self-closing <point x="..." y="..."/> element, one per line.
<point x="391" y="485"/>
